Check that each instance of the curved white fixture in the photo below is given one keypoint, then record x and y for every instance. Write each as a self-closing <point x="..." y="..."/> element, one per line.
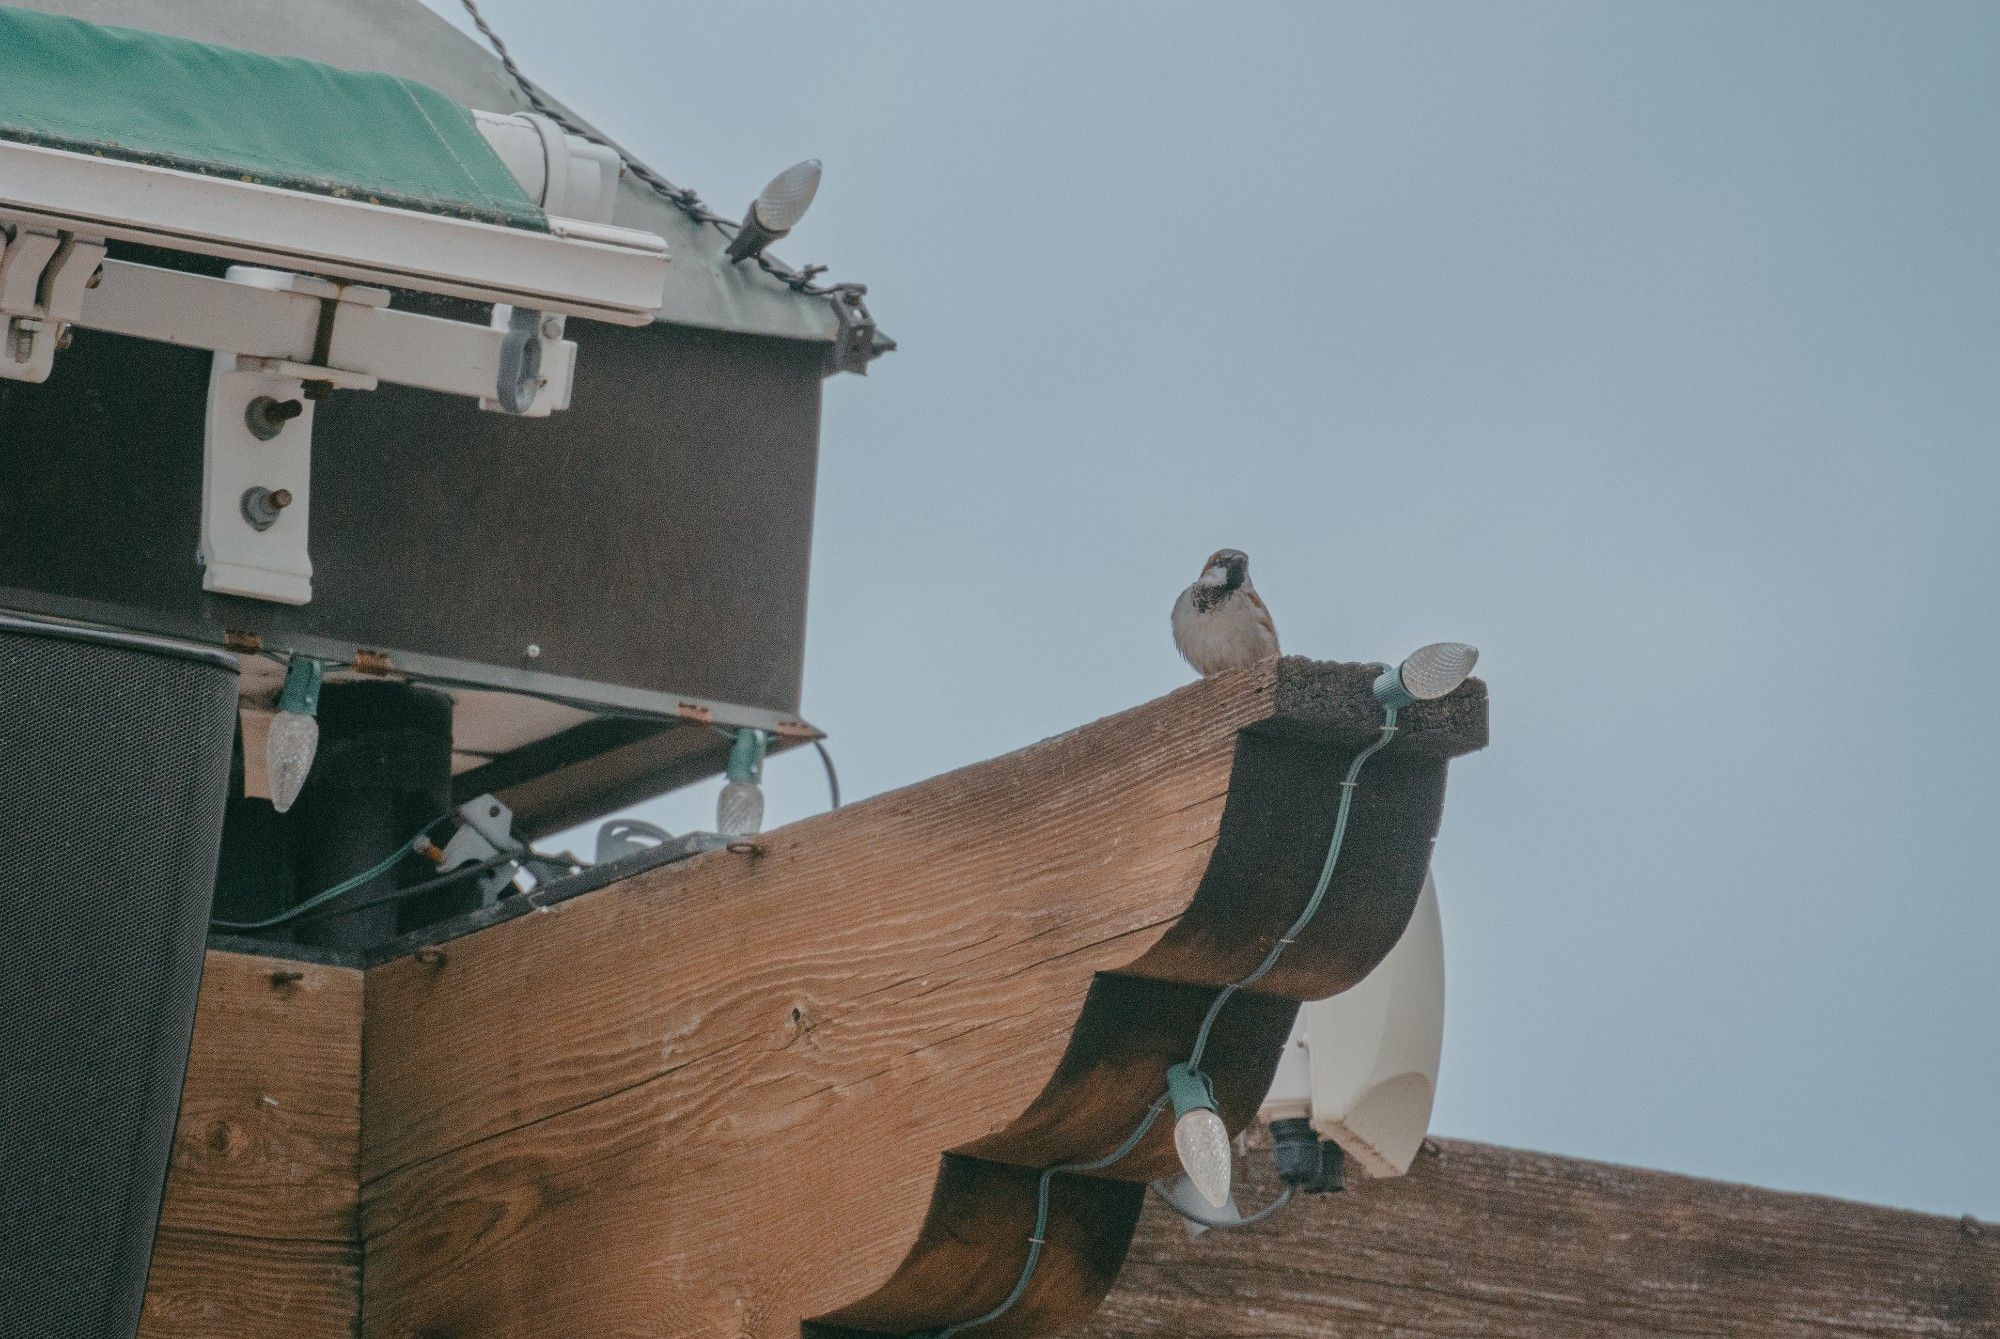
<point x="1362" y="1065"/>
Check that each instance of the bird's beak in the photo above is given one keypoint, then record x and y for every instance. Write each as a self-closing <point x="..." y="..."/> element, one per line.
<point x="1217" y="575"/>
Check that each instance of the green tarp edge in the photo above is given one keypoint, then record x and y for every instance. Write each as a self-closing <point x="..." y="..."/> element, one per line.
<point x="217" y="111"/>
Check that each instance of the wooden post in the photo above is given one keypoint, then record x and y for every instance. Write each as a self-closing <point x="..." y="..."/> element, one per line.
<point x="259" y="1231"/>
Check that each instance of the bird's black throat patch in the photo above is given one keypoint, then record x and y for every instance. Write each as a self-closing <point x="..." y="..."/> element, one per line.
<point x="1209" y="598"/>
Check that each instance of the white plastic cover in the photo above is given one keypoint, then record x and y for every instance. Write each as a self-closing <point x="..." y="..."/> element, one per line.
<point x="1363" y="1064"/>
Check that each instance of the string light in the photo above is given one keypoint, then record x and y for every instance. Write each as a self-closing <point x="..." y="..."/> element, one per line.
<point x="294" y="736"/>
<point x="739" y="809"/>
<point x="1428" y="673"/>
<point x="1200" y="1137"/>
<point x="776" y="210"/>
<point x="682" y="198"/>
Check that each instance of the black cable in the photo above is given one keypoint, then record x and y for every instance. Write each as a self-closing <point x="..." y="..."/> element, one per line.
<point x="681" y="197"/>
<point x="832" y="777"/>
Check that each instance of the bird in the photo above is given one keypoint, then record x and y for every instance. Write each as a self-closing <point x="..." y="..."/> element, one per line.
<point x="1220" y="622"/>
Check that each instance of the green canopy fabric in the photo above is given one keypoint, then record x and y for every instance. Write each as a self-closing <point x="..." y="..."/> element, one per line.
<point x="297" y="124"/>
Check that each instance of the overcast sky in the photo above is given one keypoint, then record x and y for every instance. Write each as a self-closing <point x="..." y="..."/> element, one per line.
<point x="1651" y="347"/>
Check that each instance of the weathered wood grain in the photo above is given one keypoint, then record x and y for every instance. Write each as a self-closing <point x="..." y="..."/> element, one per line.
<point x="666" y="1107"/>
<point x="1503" y="1244"/>
<point x="1284" y="795"/>
<point x="712" y="1100"/>
<point x="207" y="1285"/>
<point x="258" y="1231"/>
<point x="270" y="1120"/>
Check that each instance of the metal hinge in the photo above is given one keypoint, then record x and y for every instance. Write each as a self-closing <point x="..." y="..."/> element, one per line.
<point x="43" y="277"/>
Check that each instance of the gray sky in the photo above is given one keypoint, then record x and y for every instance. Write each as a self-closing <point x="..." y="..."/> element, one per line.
<point x="1651" y="347"/>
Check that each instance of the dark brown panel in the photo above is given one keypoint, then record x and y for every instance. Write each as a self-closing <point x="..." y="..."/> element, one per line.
<point x="654" y="535"/>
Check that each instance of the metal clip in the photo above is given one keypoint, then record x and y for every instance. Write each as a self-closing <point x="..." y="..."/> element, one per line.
<point x="858" y="342"/>
<point x="520" y="379"/>
<point x="42" y="281"/>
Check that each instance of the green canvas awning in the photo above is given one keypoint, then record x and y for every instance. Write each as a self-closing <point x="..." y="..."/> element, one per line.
<point x="214" y="110"/>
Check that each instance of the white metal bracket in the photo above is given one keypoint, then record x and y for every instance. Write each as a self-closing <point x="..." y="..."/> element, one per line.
<point x="256" y="483"/>
<point x="43" y="276"/>
<point x="283" y="341"/>
<point x="256" y="495"/>
<point x="488" y="831"/>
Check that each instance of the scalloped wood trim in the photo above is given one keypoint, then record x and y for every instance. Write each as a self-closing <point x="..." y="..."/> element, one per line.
<point x="712" y="1099"/>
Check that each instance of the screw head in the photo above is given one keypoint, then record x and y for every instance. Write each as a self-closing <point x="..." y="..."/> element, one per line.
<point x="534" y="651"/>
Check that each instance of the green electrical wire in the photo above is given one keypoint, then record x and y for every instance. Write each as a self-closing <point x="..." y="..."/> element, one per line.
<point x="1312" y="904"/>
<point x="1038" y="1238"/>
<point x="373" y="872"/>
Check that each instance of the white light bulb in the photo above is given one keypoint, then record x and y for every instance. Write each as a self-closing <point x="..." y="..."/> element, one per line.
<point x="1434" y="671"/>
<point x="1202" y="1141"/>
<point x="288" y="756"/>
<point x="739" y="810"/>
<point x="785" y="201"/>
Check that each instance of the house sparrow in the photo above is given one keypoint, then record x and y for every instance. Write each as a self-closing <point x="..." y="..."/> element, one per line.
<point x="1219" y="622"/>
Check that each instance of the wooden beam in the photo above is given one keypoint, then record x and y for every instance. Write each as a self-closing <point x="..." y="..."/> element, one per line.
<point x="713" y="1099"/>
<point x="1504" y="1244"/>
<point x="258" y="1230"/>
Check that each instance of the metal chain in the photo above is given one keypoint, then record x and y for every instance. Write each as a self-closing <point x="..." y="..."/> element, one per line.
<point x="681" y="197"/>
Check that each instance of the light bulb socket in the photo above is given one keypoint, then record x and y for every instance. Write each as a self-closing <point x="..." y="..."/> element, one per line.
<point x="300" y="695"/>
<point x="1426" y="674"/>
<point x="1306" y="1161"/>
<point x="776" y="210"/>
<point x="751" y="237"/>
<point x="1390" y="692"/>
<point x="1190" y="1090"/>
<point x="746" y="755"/>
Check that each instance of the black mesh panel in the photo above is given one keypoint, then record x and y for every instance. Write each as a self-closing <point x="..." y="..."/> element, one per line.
<point x="114" y="765"/>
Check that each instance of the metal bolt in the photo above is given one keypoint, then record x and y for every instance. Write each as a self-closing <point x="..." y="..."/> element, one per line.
<point x="266" y="416"/>
<point x="286" y="978"/>
<point x="261" y="506"/>
<point x="534" y="651"/>
<point x="745" y="848"/>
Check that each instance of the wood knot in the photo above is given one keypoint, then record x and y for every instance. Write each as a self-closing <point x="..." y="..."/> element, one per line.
<point x="221" y="1138"/>
<point x="803" y="1023"/>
